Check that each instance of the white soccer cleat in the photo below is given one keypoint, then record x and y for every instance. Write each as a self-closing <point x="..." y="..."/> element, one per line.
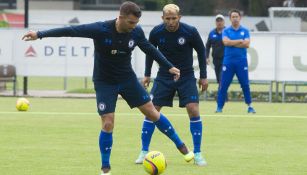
<point x="108" y="173"/>
<point x="141" y="157"/>
<point x="199" y="160"/>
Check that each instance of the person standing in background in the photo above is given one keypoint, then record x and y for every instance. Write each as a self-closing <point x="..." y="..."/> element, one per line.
<point x="215" y="42"/>
<point x="236" y="39"/>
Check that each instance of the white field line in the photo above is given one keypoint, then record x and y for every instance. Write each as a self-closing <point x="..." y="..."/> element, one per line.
<point x="167" y="114"/>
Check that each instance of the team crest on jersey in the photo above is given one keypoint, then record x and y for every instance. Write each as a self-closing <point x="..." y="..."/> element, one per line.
<point x="101" y="106"/>
<point x="242" y="33"/>
<point x="214" y="36"/>
<point x="245" y="68"/>
<point x="131" y="43"/>
<point x="224" y="68"/>
<point x="181" y="41"/>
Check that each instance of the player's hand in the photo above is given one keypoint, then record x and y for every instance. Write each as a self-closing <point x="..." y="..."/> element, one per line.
<point x="29" y="36"/>
<point x="203" y="84"/>
<point x="146" y="82"/>
<point x="176" y="72"/>
<point x="208" y="61"/>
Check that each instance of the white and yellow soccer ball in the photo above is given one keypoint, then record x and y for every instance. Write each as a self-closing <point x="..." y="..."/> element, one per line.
<point x="154" y="163"/>
<point x="22" y="104"/>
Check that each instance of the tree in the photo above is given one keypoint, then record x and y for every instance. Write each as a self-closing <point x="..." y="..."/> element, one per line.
<point x="257" y="8"/>
<point x="196" y="7"/>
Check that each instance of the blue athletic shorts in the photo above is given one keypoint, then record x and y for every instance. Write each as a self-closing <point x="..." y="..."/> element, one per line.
<point x="131" y="90"/>
<point x="163" y="91"/>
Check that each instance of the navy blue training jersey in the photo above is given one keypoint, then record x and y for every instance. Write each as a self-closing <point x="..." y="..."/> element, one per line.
<point x="178" y="48"/>
<point x="112" y="49"/>
<point x="216" y="42"/>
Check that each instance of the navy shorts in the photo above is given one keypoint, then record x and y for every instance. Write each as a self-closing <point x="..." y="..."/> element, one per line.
<point x="131" y="90"/>
<point x="164" y="90"/>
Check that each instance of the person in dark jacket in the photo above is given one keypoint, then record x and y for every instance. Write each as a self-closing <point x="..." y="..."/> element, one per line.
<point x="216" y="43"/>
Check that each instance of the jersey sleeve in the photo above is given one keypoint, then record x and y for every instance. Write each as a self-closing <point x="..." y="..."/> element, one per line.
<point x="151" y="51"/>
<point x="199" y="46"/>
<point x="149" y="59"/>
<point x="246" y="36"/>
<point x="208" y="45"/>
<point x="84" y="31"/>
<point x="225" y="34"/>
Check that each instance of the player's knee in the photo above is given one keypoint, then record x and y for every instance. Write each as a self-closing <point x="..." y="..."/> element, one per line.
<point x="158" y="108"/>
<point x="153" y="115"/>
<point x="108" y="126"/>
<point x="192" y="109"/>
<point x="108" y="122"/>
<point x="150" y="112"/>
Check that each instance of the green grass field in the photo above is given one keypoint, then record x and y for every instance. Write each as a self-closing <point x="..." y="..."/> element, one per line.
<point x="60" y="137"/>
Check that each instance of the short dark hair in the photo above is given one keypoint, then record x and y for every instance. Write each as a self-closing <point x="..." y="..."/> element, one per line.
<point x="130" y="8"/>
<point x="234" y="11"/>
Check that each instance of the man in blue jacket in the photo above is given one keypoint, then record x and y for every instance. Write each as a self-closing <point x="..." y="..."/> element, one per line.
<point x="236" y="39"/>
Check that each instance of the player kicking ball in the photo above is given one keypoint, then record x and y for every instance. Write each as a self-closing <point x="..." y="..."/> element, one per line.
<point x="114" y="41"/>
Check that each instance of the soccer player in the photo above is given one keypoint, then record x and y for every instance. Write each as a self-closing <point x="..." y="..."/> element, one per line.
<point x="215" y="41"/>
<point x="236" y="39"/>
<point x="176" y="40"/>
<point x="114" y="41"/>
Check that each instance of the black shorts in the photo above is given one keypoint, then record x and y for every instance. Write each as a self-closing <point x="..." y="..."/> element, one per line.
<point x="164" y="90"/>
<point x="131" y="90"/>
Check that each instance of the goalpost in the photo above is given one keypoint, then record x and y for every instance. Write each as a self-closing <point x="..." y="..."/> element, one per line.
<point x="288" y="19"/>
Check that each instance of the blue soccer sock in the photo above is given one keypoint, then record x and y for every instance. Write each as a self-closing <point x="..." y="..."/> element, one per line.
<point x="147" y="131"/>
<point x="164" y="125"/>
<point x="196" y="131"/>
<point x="105" y="145"/>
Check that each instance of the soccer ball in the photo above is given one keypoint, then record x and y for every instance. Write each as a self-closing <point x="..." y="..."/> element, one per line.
<point x="22" y="104"/>
<point x="154" y="163"/>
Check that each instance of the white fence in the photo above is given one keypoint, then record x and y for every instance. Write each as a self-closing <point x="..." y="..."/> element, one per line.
<point x="272" y="56"/>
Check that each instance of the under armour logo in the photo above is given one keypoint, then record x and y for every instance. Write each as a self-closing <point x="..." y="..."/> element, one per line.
<point x="108" y="148"/>
<point x="193" y="97"/>
<point x="162" y="40"/>
<point x="108" y="41"/>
